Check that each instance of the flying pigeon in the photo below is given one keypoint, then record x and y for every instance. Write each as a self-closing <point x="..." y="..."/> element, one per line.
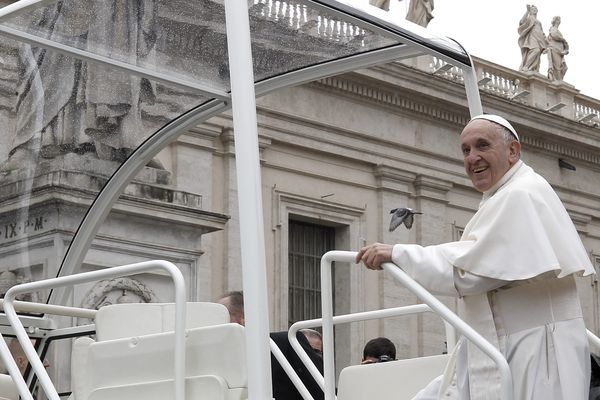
<point x="402" y="215"/>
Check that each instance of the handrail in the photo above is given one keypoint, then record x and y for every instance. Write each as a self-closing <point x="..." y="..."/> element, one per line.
<point x="29" y="350"/>
<point x="427" y="298"/>
<point x="347" y="318"/>
<point x="42" y="308"/>
<point x="593" y="339"/>
<point x="289" y="370"/>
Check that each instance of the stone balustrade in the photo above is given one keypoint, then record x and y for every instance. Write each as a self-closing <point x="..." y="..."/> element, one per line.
<point x="300" y="17"/>
<point x="528" y="88"/>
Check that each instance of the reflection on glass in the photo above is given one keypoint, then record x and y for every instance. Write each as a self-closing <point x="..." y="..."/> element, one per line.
<point x="67" y="125"/>
<point x="188" y="39"/>
<point x="288" y="35"/>
<point x="175" y="37"/>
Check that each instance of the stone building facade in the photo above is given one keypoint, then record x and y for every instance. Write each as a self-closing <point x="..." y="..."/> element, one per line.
<point x="343" y="151"/>
<point x="336" y="156"/>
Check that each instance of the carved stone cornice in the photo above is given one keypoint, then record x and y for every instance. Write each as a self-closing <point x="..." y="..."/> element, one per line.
<point x="390" y="99"/>
<point x="581" y="221"/>
<point x="394" y="179"/>
<point x="202" y="136"/>
<point x="367" y="92"/>
<point x="228" y="140"/>
<point x="432" y="188"/>
<point x="560" y="149"/>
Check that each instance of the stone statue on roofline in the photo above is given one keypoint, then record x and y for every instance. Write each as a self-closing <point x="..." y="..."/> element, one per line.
<point x="532" y="40"/>
<point x="420" y="12"/>
<point x="383" y="4"/>
<point x="557" y="49"/>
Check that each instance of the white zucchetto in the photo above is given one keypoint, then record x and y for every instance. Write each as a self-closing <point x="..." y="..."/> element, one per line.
<point x="498" y="120"/>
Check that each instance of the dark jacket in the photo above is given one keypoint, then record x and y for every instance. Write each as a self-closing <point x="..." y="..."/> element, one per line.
<point x="283" y="388"/>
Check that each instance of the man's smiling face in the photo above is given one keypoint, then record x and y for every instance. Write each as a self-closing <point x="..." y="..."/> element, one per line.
<point x="487" y="154"/>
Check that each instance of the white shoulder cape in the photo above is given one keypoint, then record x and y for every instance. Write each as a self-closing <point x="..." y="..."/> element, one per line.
<point x="521" y="231"/>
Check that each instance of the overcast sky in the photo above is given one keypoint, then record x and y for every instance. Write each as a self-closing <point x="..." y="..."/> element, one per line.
<point x="488" y="29"/>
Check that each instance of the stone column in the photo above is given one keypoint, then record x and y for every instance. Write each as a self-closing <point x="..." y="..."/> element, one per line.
<point x="564" y="93"/>
<point x="432" y="228"/>
<point x="536" y="84"/>
<point x="396" y="189"/>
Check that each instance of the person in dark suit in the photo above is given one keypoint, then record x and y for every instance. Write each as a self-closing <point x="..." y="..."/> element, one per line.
<point x="283" y="388"/>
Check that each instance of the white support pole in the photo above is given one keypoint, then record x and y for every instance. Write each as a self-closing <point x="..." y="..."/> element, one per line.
<point x="252" y="241"/>
<point x="327" y="316"/>
<point x="472" y="89"/>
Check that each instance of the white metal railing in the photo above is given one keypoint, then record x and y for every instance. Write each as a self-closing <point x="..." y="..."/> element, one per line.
<point x="356" y="317"/>
<point x="10" y="306"/>
<point x="289" y="370"/>
<point x="436" y="305"/>
<point x="593" y="340"/>
<point x="32" y="307"/>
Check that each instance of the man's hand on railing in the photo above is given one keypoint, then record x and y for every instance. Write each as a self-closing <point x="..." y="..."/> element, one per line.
<point x="374" y="255"/>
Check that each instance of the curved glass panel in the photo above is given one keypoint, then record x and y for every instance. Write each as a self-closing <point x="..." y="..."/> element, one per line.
<point x="289" y="35"/>
<point x="67" y="125"/>
<point x="184" y="39"/>
<point x="187" y="40"/>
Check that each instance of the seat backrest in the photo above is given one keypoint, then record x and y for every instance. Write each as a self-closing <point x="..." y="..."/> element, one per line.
<point x="147" y="360"/>
<point x="8" y="389"/>
<point x="135" y="319"/>
<point x="398" y="380"/>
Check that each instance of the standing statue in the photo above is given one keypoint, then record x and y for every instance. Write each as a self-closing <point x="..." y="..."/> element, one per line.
<point x="531" y="40"/>
<point x="557" y="49"/>
<point x="420" y="12"/>
<point x="86" y="108"/>
<point x="383" y="4"/>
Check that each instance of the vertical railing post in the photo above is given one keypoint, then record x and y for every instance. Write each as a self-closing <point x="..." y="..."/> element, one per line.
<point x="252" y="239"/>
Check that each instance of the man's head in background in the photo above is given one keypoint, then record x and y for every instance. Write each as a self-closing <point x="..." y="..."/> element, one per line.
<point x="234" y="301"/>
<point x="315" y="339"/>
<point x="378" y="350"/>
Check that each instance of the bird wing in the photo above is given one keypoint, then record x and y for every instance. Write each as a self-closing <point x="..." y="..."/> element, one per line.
<point x="398" y="217"/>
<point x="408" y="221"/>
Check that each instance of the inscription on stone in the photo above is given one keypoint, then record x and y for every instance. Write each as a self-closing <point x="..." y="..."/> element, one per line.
<point x="16" y="229"/>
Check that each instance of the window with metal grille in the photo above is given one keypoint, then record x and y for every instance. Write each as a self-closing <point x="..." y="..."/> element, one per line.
<point x="307" y="243"/>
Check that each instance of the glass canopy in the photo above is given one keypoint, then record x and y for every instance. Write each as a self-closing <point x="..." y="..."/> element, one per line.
<point x="86" y="85"/>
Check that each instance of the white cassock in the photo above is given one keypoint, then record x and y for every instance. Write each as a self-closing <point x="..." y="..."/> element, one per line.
<point x="513" y="272"/>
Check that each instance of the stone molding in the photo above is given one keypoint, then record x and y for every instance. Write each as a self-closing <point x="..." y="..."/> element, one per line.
<point x="341" y="213"/>
<point x="228" y="140"/>
<point x="389" y="99"/>
<point x="432" y="188"/>
<point x="394" y="179"/>
<point x="375" y="95"/>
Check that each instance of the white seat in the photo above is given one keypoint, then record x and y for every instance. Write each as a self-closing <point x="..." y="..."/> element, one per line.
<point x="136" y="319"/>
<point x="398" y="380"/>
<point x="137" y="362"/>
<point x="8" y="389"/>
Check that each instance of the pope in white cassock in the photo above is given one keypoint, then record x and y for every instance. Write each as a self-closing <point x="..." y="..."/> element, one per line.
<point x="513" y="273"/>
